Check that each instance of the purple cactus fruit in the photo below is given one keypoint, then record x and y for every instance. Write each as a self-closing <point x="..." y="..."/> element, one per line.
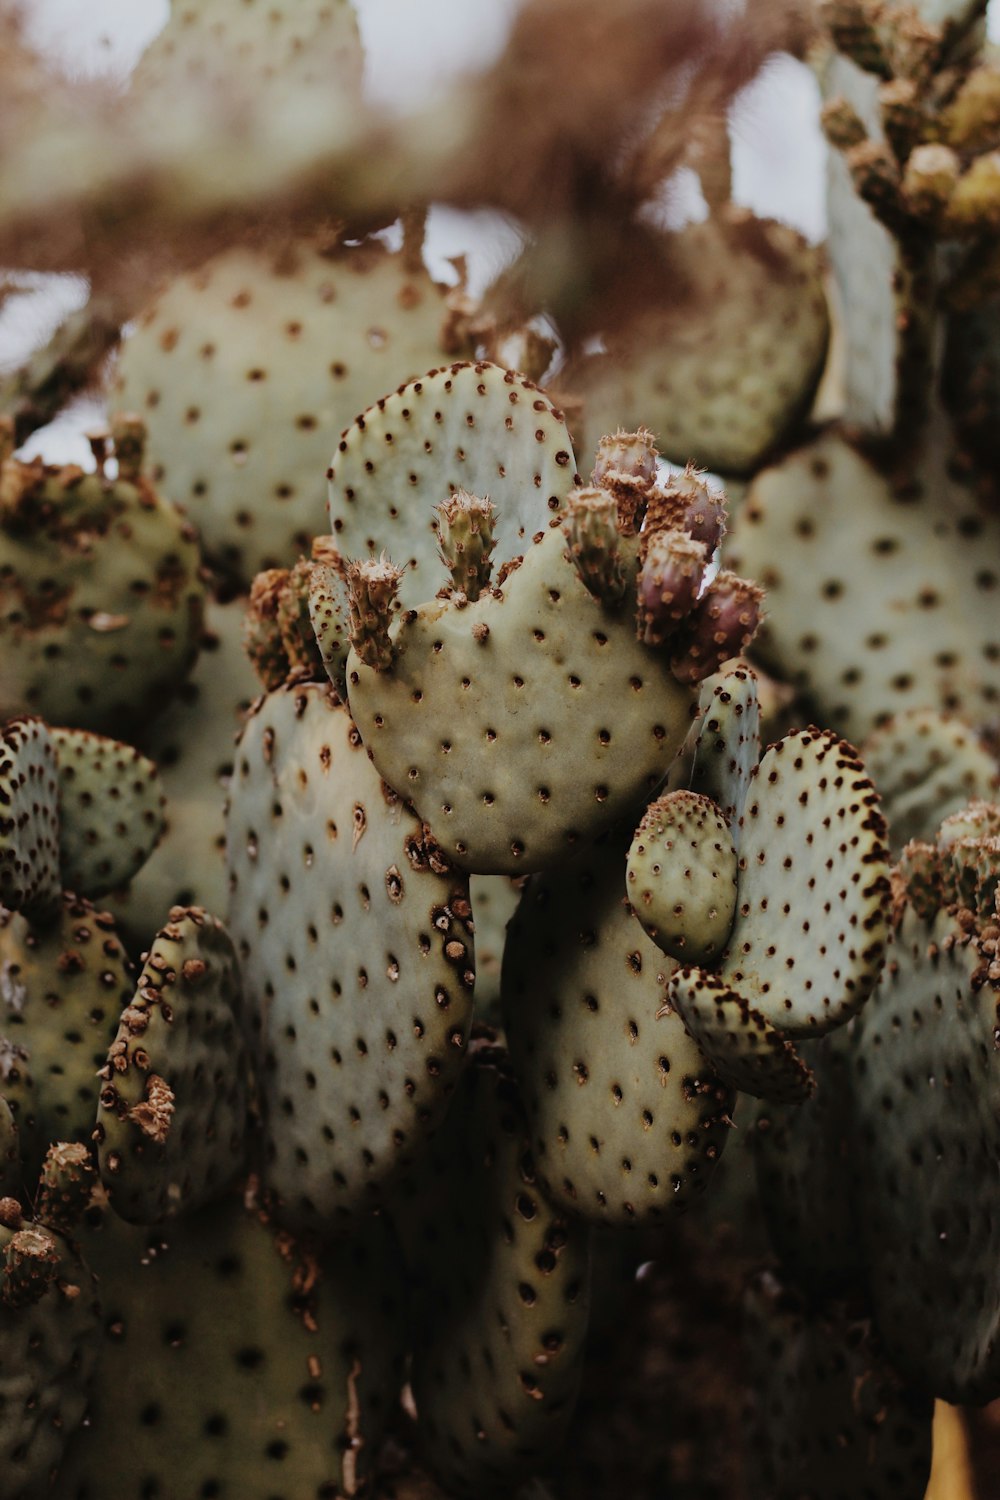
<point x="626" y="467"/>
<point x="686" y="503"/>
<point x="671" y="576"/>
<point x="721" y="625"/>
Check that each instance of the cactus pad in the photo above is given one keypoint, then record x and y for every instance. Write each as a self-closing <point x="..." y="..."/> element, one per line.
<point x="739" y="1043"/>
<point x="469" y="427"/>
<point x="10" y="1155"/>
<point x="927" y="765"/>
<point x="110" y="811"/>
<point x="173" y="1109"/>
<point x="29" y="817"/>
<point x="626" y="1117"/>
<point x="681" y="876"/>
<point x="727" y="748"/>
<point x="355" y="941"/>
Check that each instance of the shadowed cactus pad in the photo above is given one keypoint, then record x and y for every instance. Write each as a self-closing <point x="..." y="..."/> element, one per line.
<point x="727" y="748"/>
<point x="500" y="1293"/>
<point x="355" y="941"/>
<point x="110" y="811"/>
<point x="472" y="427"/>
<point x="29" y="817"/>
<point x="627" y="1119"/>
<point x="681" y="876"/>
<point x="173" y="1107"/>
<point x="738" y="1042"/>
<point x="927" y="765"/>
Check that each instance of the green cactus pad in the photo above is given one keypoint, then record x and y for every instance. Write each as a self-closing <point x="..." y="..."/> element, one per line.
<point x="680" y="876"/>
<point x="501" y="1294"/>
<point x="62" y="989"/>
<point x="727" y="748"/>
<point x="471" y="427"/>
<point x="927" y="765"/>
<point x="173" y="1109"/>
<point x="10" y="1154"/>
<point x="739" y="1043"/>
<point x="110" y="811"/>
<point x="720" y="371"/>
<point x="494" y="901"/>
<point x="522" y="724"/>
<point x="829" y="1418"/>
<point x="192" y="743"/>
<point x="627" y="1119"/>
<point x="809" y="938"/>
<point x="48" y="1353"/>
<point x="877" y="602"/>
<point x="29" y="818"/>
<point x="234" y="1362"/>
<point x="355" y="940"/>
<point x="329" y="611"/>
<point x="100" y="598"/>
<point x="247" y="371"/>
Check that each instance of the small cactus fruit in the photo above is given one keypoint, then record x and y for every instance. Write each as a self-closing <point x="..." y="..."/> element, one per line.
<point x="500" y="1302"/>
<point x="687" y="502"/>
<point x="970" y="840"/>
<point x="625" y="467"/>
<point x="62" y="989"/>
<point x="723" y="371"/>
<point x="29" y="818"/>
<point x="740" y="1043"/>
<point x="627" y="1120"/>
<point x="355" y="942"/>
<point x="926" y="765"/>
<point x="65" y="1186"/>
<point x="681" y="876"/>
<point x="524" y="723"/>
<point x="670" y="580"/>
<point x="247" y="371"/>
<point x="878" y="601"/>
<point x="171" y="1126"/>
<point x="465" y="526"/>
<point x="471" y="427"/>
<point x="111" y="804"/>
<point x="49" y="1344"/>
<point x="590" y="525"/>
<point x="100" y="597"/>
<point x="259" y="1368"/>
<point x="828" y="1416"/>
<point x="373" y="588"/>
<point x="721" y="625"/>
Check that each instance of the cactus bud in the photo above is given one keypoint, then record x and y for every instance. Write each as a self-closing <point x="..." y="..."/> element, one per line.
<point x="30" y="1263"/>
<point x="929" y="180"/>
<point x="590" y="525"/>
<point x="128" y="434"/>
<point x="672" y="573"/>
<point x="902" y="118"/>
<point x="852" y="25"/>
<point x="465" y="534"/>
<point x="65" y="1185"/>
<point x="875" y="173"/>
<point x="373" y="584"/>
<point x="625" y="466"/>
<point x="972" y="120"/>
<point x="295" y="624"/>
<point x="974" y="206"/>
<point x="925" y="878"/>
<point x="261" y="632"/>
<point x="10" y="1213"/>
<point x="721" y="625"/>
<point x="842" y="124"/>
<point x="686" y="503"/>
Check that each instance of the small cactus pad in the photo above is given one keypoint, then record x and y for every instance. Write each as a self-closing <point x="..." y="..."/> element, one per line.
<point x="173" y="1106"/>
<point x="500" y="1294"/>
<point x="470" y="427"/>
<point x="681" y="876"/>
<point x="877" y="601"/>
<point x="739" y="1043"/>
<point x="48" y="1351"/>
<point x="235" y="1363"/>
<point x="65" y="1185"/>
<point x="110" y="811"/>
<point x="100" y="598"/>
<point x="249" y="368"/>
<point x="809" y="938"/>
<point x="927" y="765"/>
<point x="727" y="748"/>
<point x="330" y="614"/>
<point x="720" y="371"/>
<point x="29" y="817"/>
<point x="355" y="941"/>
<point x="829" y="1418"/>
<point x="925" y="1080"/>
<point x="522" y="724"/>
<point x="627" y="1119"/>
<point x="62" y="989"/>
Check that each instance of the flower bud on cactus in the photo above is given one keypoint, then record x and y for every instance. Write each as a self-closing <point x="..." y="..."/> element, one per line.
<point x="465" y="534"/>
<point x="721" y="625"/>
<point x="128" y="433"/>
<point x="686" y="503"/>
<point x="671" y="576"/>
<point x="590" y="525"/>
<point x="626" y="467"/>
<point x="842" y="125"/>
<point x="65" y="1186"/>
<point x="30" y="1263"/>
<point x="297" y="634"/>
<point x="902" y="118"/>
<point x="262" y="640"/>
<point x="929" y="180"/>
<point x="374" y="584"/>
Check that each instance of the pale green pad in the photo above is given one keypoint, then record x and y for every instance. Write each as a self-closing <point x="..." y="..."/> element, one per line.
<point x="471" y="426"/>
<point x="501" y="1294"/>
<point x="926" y="1102"/>
<point x="48" y="1353"/>
<point x="110" y="811"/>
<point x="355" y="941"/>
<point x="235" y="1364"/>
<point x="927" y="765"/>
<point x="740" y="1044"/>
<point x="248" y="370"/>
<point x="681" y="876"/>
<point x="727" y="748"/>
<point x="809" y="938"/>
<point x="516" y="746"/>
<point x="172" y="1120"/>
<point x="29" y="817"/>
<point x="627" y="1118"/>
<point x="876" y="603"/>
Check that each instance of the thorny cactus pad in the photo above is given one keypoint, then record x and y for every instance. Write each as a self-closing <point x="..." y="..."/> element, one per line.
<point x="727" y="747"/>
<point x="681" y="876"/>
<point x="737" y="1041"/>
<point x="29" y="817"/>
<point x="110" y="811"/>
<point x="927" y="765"/>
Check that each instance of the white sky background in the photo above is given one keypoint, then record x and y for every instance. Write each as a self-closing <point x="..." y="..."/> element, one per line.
<point x="411" y="46"/>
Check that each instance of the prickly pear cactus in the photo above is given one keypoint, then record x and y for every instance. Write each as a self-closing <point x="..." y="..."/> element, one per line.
<point x="727" y="745"/>
<point x="110" y="811"/>
<point x="681" y="876"/>
<point x="29" y="817"/>
<point x="741" y="1044"/>
<point x="927" y="765"/>
<point x="172" y="1121"/>
<point x="355" y="941"/>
